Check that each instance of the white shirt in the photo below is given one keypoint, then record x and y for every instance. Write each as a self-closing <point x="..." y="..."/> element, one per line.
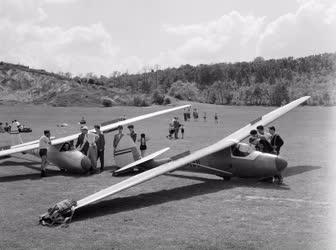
<point x="44" y="142"/>
<point x="90" y="138"/>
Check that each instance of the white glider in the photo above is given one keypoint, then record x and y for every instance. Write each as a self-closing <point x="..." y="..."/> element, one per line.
<point x="228" y="141"/>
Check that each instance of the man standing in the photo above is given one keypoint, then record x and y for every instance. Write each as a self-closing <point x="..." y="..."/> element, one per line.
<point x="262" y="134"/>
<point x="276" y="141"/>
<point x="176" y="125"/>
<point x="81" y="144"/>
<point x="132" y="133"/>
<point x="100" y="142"/>
<point x="44" y="143"/>
<point x="117" y="137"/>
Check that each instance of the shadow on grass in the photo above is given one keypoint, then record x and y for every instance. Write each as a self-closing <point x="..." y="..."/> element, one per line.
<point x="295" y="170"/>
<point x="208" y="185"/>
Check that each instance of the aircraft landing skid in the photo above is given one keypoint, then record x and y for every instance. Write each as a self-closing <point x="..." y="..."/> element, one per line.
<point x="277" y="179"/>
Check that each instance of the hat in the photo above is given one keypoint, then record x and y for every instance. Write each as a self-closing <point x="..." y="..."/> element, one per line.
<point x="84" y="128"/>
<point x="131" y="126"/>
<point x="272" y="128"/>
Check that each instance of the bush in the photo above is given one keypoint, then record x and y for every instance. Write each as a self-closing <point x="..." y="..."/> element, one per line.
<point x="184" y="91"/>
<point x="157" y="98"/>
<point x="167" y="101"/>
<point x="139" y="101"/>
<point x="107" y="102"/>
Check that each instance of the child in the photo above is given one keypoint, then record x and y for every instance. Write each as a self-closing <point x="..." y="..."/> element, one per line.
<point x="182" y="131"/>
<point x="170" y="131"/>
<point x="143" y="145"/>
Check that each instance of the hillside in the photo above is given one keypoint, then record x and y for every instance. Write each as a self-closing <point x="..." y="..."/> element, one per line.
<point x="260" y="82"/>
<point x="20" y="84"/>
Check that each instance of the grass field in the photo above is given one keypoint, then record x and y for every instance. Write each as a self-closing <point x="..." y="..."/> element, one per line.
<point x="181" y="210"/>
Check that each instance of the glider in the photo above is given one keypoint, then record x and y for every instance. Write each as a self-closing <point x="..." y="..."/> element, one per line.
<point x="72" y="160"/>
<point x="270" y="165"/>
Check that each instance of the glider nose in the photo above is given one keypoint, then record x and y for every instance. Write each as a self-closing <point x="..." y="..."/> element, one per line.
<point x="86" y="163"/>
<point x="280" y="164"/>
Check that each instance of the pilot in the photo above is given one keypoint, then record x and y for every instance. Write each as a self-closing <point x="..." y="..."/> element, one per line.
<point x="44" y="143"/>
<point x="254" y="139"/>
<point x="65" y="147"/>
<point x="132" y="133"/>
<point x="117" y="137"/>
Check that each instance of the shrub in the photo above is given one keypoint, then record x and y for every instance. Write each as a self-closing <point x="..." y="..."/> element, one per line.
<point x="107" y="102"/>
<point x="157" y="98"/>
<point x="167" y="101"/>
<point x="139" y="101"/>
<point x="184" y="91"/>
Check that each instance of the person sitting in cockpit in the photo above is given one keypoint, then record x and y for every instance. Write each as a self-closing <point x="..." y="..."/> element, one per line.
<point x="254" y="139"/>
<point x="65" y="147"/>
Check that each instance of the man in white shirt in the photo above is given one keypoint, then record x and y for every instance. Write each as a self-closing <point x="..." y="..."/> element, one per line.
<point x="44" y="144"/>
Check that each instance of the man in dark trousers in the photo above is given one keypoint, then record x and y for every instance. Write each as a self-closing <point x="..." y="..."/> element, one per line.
<point x="100" y="142"/>
<point x="132" y="133"/>
<point x="276" y="141"/>
<point x="80" y="141"/>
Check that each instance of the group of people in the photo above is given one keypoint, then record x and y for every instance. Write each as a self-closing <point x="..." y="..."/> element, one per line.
<point x="90" y="144"/>
<point x="187" y="115"/>
<point x="174" y="128"/>
<point x="15" y="126"/>
<point x="266" y="142"/>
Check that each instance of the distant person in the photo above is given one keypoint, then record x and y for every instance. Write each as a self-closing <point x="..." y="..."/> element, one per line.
<point x="216" y="118"/>
<point x="188" y="113"/>
<point x="2" y="129"/>
<point x="82" y="121"/>
<point x="170" y="131"/>
<point x="143" y="145"/>
<point x="263" y="134"/>
<point x="204" y="116"/>
<point x="276" y="140"/>
<point x="182" y="131"/>
<point x="132" y="133"/>
<point x="195" y="114"/>
<point x="117" y="137"/>
<point x="185" y="114"/>
<point x="176" y="125"/>
<point x="44" y="144"/>
<point x="7" y="127"/>
<point x="81" y="144"/>
<point x="100" y="142"/>
<point x="14" y="128"/>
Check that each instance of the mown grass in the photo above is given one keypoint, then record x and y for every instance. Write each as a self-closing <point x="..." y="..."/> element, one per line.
<point x="180" y="210"/>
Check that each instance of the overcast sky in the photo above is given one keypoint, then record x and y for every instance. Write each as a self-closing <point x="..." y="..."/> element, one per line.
<point x="102" y="36"/>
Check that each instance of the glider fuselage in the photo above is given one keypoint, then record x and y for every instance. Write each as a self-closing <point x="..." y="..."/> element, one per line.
<point x="246" y="163"/>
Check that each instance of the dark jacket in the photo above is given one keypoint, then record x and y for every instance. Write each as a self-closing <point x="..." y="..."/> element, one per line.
<point x="79" y="142"/>
<point x="133" y="135"/>
<point x="100" y="142"/>
<point x="277" y="141"/>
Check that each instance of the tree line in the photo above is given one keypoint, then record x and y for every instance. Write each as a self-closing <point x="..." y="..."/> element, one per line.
<point x="260" y="82"/>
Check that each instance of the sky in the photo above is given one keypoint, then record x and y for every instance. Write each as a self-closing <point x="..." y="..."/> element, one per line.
<point x="103" y="36"/>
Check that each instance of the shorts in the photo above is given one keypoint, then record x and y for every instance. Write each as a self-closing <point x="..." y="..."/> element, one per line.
<point x="43" y="151"/>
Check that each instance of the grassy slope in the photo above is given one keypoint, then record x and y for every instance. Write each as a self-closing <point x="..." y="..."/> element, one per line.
<point x="181" y="210"/>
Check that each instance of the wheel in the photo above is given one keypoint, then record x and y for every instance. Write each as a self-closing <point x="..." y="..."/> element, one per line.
<point x="226" y="178"/>
<point x="278" y="179"/>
